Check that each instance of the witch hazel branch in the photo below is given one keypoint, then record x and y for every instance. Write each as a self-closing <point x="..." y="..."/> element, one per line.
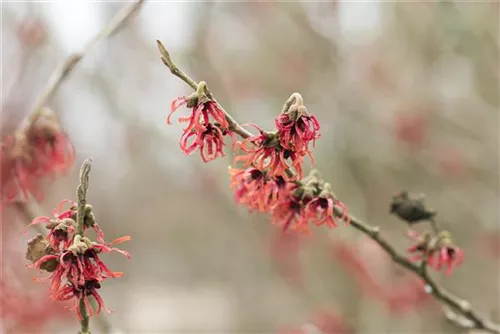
<point x="71" y="257"/>
<point x="271" y="180"/>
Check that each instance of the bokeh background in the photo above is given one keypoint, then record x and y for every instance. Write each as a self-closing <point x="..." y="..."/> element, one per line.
<point x="407" y="94"/>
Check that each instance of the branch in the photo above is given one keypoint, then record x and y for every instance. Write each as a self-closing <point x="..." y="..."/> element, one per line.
<point x="461" y="306"/>
<point x="81" y="192"/>
<point x="62" y="71"/>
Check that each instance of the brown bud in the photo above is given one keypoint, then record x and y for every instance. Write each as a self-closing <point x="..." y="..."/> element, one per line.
<point x="38" y="247"/>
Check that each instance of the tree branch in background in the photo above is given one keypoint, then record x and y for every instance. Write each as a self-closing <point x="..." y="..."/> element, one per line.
<point x="459" y="305"/>
<point x="62" y="72"/>
<point x="53" y="84"/>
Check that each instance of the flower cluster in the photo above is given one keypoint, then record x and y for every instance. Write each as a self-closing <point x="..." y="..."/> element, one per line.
<point x="207" y="125"/>
<point x="292" y="205"/>
<point x="76" y="271"/>
<point x="439" y="251"/>
<point x="40" y="150"/>
<point x="295" y="130"/>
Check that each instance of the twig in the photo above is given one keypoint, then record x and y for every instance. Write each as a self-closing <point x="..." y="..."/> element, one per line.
<point x="69" y="63"/>
<point x="461" y="306"/>
<point x="165" y="57"/>
<point x="81" y="193"/>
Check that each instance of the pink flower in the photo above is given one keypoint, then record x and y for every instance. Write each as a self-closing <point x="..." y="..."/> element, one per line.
<point x="202" y="111"/>
<point x="77" y="271"/>
<point x="207" y="126"/>
<point x="255" y="189"/>
<point x="321" y="210"/>
<point x="264" y="152"/>
<point x="289" y="212"/>
<point x="439" y="251"/>
<point x="209" y="139"/>
<point x="297" y="129"/>
<point x="40" y="151"/>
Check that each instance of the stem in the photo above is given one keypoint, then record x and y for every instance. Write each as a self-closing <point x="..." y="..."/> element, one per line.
<point x="459" y="305"/>
<point x="81" y="192"/>
<point x="85" y="318"/>
<point x="434" y="226"/>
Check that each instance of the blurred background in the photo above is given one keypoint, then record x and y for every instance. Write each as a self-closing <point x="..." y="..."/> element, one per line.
<point x="407" y="95"/>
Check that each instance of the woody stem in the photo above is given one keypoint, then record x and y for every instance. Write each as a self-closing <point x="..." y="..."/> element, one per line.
<point x="459" y="305"/>
<point x="81" y="192"/>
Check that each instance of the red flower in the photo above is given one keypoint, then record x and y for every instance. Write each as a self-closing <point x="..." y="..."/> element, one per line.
<point x="207" y="136"/>
<point x="321" y="209"/>
<point x="42" y="150"/>
<point x="265" y="153"/>
<point x="202" y="109"/>
<point x="209" y="139"/>
<point x="297" y="129"/>
<point x="77" y="272"/>
<point x="439" y="251"/>
<point x="255" y="189"/>
<point x="63" y="226"/>
<point x="289" y="212"/>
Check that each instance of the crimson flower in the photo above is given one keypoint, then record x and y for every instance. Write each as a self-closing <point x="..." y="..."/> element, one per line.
<point x="321" y="209"/>
<point x="265" y="153"/>
<point x="289" y="212"/>
<point x="76" y="270"/>
<point x="41" y="150"/>
<point x="255" y="189"/>
<point x="208" y="138"/>
<point x="62" y="227"/>
<point x="206" y="128"/>
<point x="296" y="129"/>
<point x="439" y="251"/>
<point x="202" y="109"/>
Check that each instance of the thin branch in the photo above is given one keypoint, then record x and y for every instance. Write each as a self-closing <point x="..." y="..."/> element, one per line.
<point x="62" y="71"/>
<point x="165" y="57"/>
<point x="81" y="193"/>
<point x="461" y="306"/>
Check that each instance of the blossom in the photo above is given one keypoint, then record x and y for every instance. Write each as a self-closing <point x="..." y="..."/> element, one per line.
<point x="321" y="209"/>
<point x="23" y="306"/>
<point x="255" y="189"/>
<point x="297" y="128"/>
<point x="438" y="251"/>
<point x="202" y="109"/>
<point x="63" y="226"/>
<point x="265" y="153"/>
<point x="289" y="212"/>
<point x="41" y="150"/>
<point x="76" y="270"/>
<point x="206" y="128"/>
<point x="208" y="138"/>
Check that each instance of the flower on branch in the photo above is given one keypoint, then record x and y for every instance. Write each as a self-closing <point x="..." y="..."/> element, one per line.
<point x="208" y="138"/>
<point x="297" y="128"/>
<point x="311" y="201"/>
<point x="206" y="126"/>
<point x="439" y="251"/>
<point x="321" y="209"/>
<point x="40" y="150"/>
<point x="255" y="189"/>
<point x="265" y="152"/>
<point x="76" y="270"/>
